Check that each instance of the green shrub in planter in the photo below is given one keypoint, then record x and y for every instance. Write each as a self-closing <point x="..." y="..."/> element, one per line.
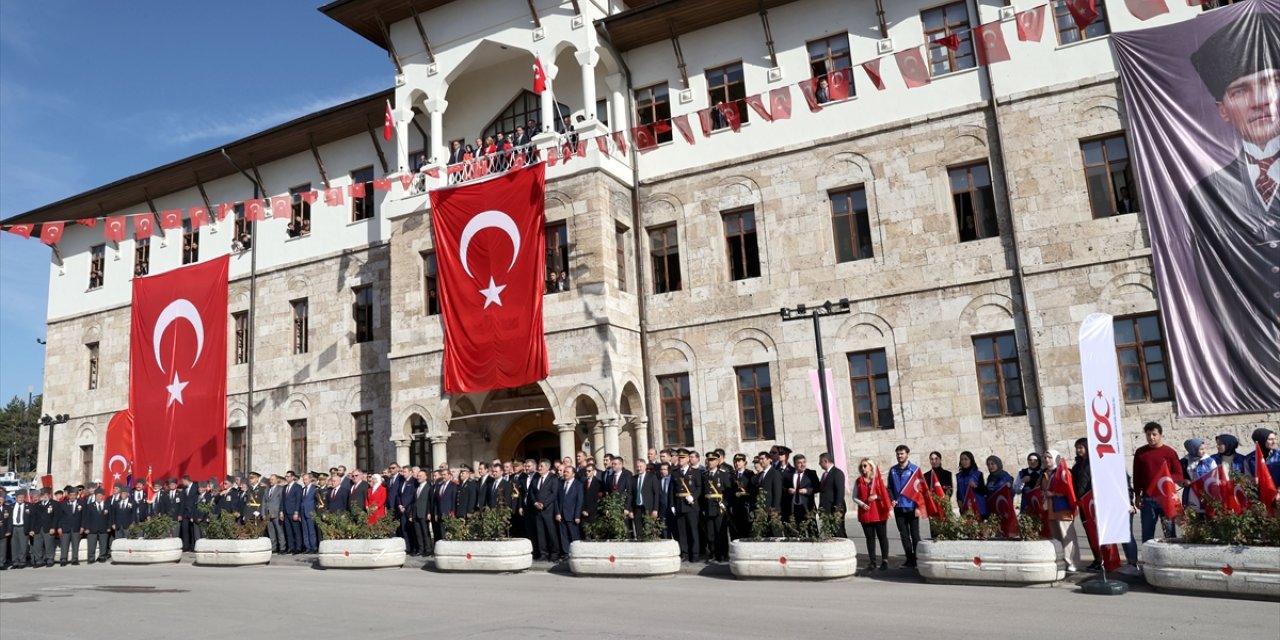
<point x="816" y="527"/>
<point x="969" y="526"/>
<point x="612" y="525"/>
<point x="346" y="526"/>
<point x="484" y="525"/>
<point x="153" y="528"/>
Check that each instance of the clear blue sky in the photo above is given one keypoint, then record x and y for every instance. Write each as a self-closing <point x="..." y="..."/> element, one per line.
<point x="91" y="92"/>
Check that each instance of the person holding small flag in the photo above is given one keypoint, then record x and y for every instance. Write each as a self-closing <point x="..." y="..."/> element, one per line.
<point x="1060" y="504"/>
<point x="1148" y="461"/>
<point x="968" y="479"/>
<point x="904" y="508"/>
<point x="873" y="502"/>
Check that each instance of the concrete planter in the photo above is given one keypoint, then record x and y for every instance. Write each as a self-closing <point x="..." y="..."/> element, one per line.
<point x="139" y="551"/>
<point x="1172" y="566"/>
<point x="1013" y="563"/>
<point x="499" y="556"/>
<point x="793" y="559"/>
<point x="376" y="553"/>
<point x="233" y="553"/>
<point x="624" y="558"/>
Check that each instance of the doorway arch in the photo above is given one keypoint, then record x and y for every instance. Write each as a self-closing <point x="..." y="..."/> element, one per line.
<point x="532" y="436"/>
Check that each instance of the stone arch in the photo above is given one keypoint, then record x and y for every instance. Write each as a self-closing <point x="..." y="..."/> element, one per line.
<point x="561" y="46"/>
<point x="844" y="169"/>
<point x="1101" y="108"/>
<point x="606" y="61"/>
<point x="674" y="353"/>
<point x="749" y="344"/>
<point x="237" y="417"/>
<point x="987" y="312"/>
<point x="661" y="208"/>
<point x="630" y="401"/>
<point x="558" y="205"/>
<point x="463" y="406"/>
<point x="241" y="301"/>
<point x="299" y="283"/>
<point x="359" y="395"/>
<point x="967" y="141"/>
<point x="583" y="390"/>
<point x="297" y="406"/>
<point x="92" y="334"/>
<point x="585" y="407"/>
<point x="86" y="434"/>
<point x="1126" y="293"/>
<point x="417" y="98"/>
<point x="406" y="420"/>
<point x="865" y="327"/>
<point x="736" y="192"/>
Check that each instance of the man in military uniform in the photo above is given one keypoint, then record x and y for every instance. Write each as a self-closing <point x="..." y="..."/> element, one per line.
<point x="205" y="502"/>
<point x="95" y="525"/>
<point x="768" y="481"/>
<point x="687" y="487"/>
<point x="44" y="524"/>
<point x="715" y="486"/>
<point x="122" y="513"/>
<point x="175" y="506"/>
<point x="70" y="515"/>
<point x="741" y="498"/>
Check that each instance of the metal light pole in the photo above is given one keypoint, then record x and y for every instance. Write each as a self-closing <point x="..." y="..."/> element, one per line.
<point x="802" y="312"/>
<point x="49" y="423"/>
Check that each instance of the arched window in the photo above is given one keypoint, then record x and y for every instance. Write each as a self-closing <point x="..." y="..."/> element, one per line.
<point x="525" y="107"/>
<point x="419" y="445"/>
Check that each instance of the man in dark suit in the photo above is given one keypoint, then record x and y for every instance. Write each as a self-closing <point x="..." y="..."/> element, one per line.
<point x="420" y="515"/>
<point x="406" y="493"/>
<point x="528" y="516"/>
<point x="620" y="479"/>
<point x="199" y="516"/>
<point x="644" y="502"/>
<point x="687" y="487"/>
<point x="544" y="503"/>
<point x="592" y="491"/>
<point x="715" y="488"/>
<point x="666" y="493"/>
<point x="95" y="525"/>
<point x="801" y="490"/>
<point x="769" y="484"/>
<point x="569" y="510"/>
<point x="357" y="502"/>
<point x="1231" y="216"/>
<point x="831" y="492"/>
<point x="741" y="498"/>
<point x="122" y="514"/>
<point x="190" y="492"/>
<point x="272" y="505"/>
<point x="70" y="521"/>
<point x="446" y="502"/>
<point x="338" y="495"/>
<point x="496" y="491"/>
<point x="44" y="523"/>
<point x="468" y="493"/>
<point x="307" y="514"/>
<point x="291" y="512"/>
<point x="456" y="152"/>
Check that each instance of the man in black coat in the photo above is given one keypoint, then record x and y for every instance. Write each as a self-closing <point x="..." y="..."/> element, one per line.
<point x="526" y="514"/>
<point x="802" y="489"/>
<point x="95" y="525"/>
<point x="291" y="512"/>
<point x="122" y="513"/>
<point x="496" y="489"/>
<point x="190" y="513"/>
<point x="446" y="502"/>
<point x="831" y="494"/>
<point x="592" y="491"/>
<point x="420" y="515"/>
<point x="337" y="495"/>
<point x="44" y="523"/>
<point x="769" y="484"/>
<point x="569" y="510"/>
<point x="716" y="487"/>
<point x="70" y="516"/>
<point x="686" y="488"/>
<point x="406" y="492"/>
<point x="359" y="494"/>
<point x="741" y="498"/>
<point x="468" y="493"/>
<point x="644" y="502"/>
<point x="544" y="502"/>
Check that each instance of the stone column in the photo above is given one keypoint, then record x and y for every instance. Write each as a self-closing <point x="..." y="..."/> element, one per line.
<point x="439" y="151"/>
<point x="617" y="102"/>
<point x="597" y="444"/>
<point x="402" y="452"/>
<point x="439" y="452"/>
<point x="567" y="439"/>
<point x="549" y="118"/>
<point x="402" y="137"/>
<point x="611" y="430"/>
<point x="641" y="437"/>
<point x="588" y="60"/>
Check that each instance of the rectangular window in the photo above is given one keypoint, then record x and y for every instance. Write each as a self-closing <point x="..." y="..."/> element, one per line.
<point x="940" y="24"/>
<point x="725" y="86"/>
<point x="653" y="104"/>
<point x="430" y="283"/>
<point x="999" y="375"/>
<point x="362" y="312"/>
<point x="240" y="320"/>
<point x="86" y="465"/>
<point x="677" y="410"/>
<point x="243" y="230"/>
<point x="975" y="201"/>
<point x="744" y="253"/>
<point x="620" y="251"/>
<point x="93" y="365"/>
<point x="829" y="54"/>
<point x="298" y="446"/>
<point x="362" y="206"/>
<point x="419" y="444"/>
<point x="1144" y="372"/>
<point x="557" y="238"/>
<point x="190" y="243"/>
<point x="851" y="224"/>
<point x="301" y="325"/>
<point x="755" y="402"/>
<point x="141" y="257"/>
<point x="364" y="440"/>
<point x="1068" y="32"/>
<point x="602" y="111"/>
<point x="300" y="216"/>
<point x="238" y="442"/>
<point x="1109" y="175"/>
<point x="869" y="378"/>
<point x="97" y="264"/>
<point x="664" y="253"/>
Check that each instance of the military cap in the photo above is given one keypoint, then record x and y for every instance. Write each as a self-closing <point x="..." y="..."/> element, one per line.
<point x="682" y="453"/>
<point x="44" y="491"/>
<point x="21" y="493"/>
<point x="99" y="492"/>
<point x="1237" y="50"/>
<point x="228" y="478"/>
<point x="68" y="488"/>
<point x="783" y="450"/>
<point x="739" y="457"/>
<point x="463" y="467"/>
<point x="255" y="474"/>
<point x="711" y="455"/>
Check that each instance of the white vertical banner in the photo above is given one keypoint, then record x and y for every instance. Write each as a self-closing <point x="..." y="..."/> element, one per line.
<point x="837" y="433"/>
<point x="1100" y="375"/>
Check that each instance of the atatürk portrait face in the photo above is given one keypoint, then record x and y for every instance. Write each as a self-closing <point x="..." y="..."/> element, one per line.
<point x="1251" y="104"/>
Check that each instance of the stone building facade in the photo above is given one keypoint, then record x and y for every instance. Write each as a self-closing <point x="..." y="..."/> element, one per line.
<point x="637" y="362"/>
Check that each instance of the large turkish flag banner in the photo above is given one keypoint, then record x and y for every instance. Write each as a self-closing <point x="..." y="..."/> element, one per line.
<point x="178" y="371"/>
<point x="117" y="455"/>
<point x="490" y="251"/>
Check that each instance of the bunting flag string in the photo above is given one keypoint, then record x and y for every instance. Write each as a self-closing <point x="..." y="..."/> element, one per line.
<point x="989" y="43"/>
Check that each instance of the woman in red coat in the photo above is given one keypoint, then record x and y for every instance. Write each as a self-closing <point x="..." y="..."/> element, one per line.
<point x="874" y="506"/>
<point x="376" y="502"/>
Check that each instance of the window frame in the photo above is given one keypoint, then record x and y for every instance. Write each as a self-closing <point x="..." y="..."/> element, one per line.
<point x="363" y="439"/>
<point x="362" y="313"/>
<point x="662" y="257"/>
<point x="97" y="264"/>
<point x="830" y="59"/>
<point x="363" y="208"/>
<point x="1001" y="380"/>
<point x="1113" y="194"/>
<point x="620" y="256"/>
<point x="243" y="336"/>
<point x="969" y="178"/>
<point x="873" y="397"/>
<point x="419" y="447"/>
<point x="298" y="445"/>
<point x="652" y="105"/>
<point x="1140" y="347"/>
<point x="301" y="325"/>
<point x="674" y="411"/>
<point x="238" y="443"/>
<point x="86" y="465"/>
<point x="857" y="224"/>
<point x="141" y="257"/>
<point x="1064" y="26"/>
<point x="764" y="410"/>
<point x="430" y="283"/>
<point x="190" y="243"/>
<point x="955" y="60"/>
<point x="727" y="88"/>
<point x="95" y="354"/>
<point x="559" y="253"/>
<point x="743" y="235"/>
<point x="300" y="209"/>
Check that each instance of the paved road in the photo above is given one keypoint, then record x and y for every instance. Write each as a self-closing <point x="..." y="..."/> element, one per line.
<point x="292" y="600"/>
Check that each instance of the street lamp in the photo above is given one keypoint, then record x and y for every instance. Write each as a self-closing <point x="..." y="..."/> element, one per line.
<point x="49" y="422"/>
<point x="801" y="312"/>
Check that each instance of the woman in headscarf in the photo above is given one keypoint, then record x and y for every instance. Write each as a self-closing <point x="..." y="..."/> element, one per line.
<point x="376" y="501"/>
<point x="1266" y="439"/>
<point x="1226" y="455"/>
<point x="996" y="476"/>
<point x="874" y="507"/>
<point x="968" y="478"/>
<point x="1028" y="479"/>
<point x="1194" y="465"/>
<point x="1060" y="507"/>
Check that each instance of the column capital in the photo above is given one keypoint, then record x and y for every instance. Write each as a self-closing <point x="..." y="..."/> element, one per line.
<point x="439" y="438"/>
<point x="566" y="426"/>
<point x="587" y="58"/>
<point x="436" y="104"/>
<point x="615" y="82"/>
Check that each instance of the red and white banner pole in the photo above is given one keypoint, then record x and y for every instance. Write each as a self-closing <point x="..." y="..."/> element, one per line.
<point x="1102" y="409"/>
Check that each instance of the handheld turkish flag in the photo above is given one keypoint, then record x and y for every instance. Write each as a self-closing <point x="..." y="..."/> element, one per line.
<point x="644" y="139"/>
<point x="1207" y="490"/>
<point x="539" y="77"/>
<point x="780" y="103"/>
<point x="178" y="370"/>
<point x="1146" y="9"/>
<point x="1110" y="553"/>
<point x="681" y="123"/>
<point x="916" y="491"/>
<point x="199" y="217"/>
<point x="971" y="503"/>
<point x="1001" y="504"/>
<point x="756" y="102"/>
<point x="809" y="89"/>
<point x="254" y="210"/>
<point x="23" y="230"/>
<point x="1036" y="507"/>
<point x="51" y="232"/>
<point x="115" y="228"/>
<point x="388" y="123"/>
<point x="1230" y="499"/>
<point x="1266" y="484"/>
<point x="171" y="219"/>
<point x="840" y="84"/>
<point x="729" y="112"/>
<point x="1084" y="12"/>
<point x="1030" y="24"/>
<point x="880" y="491"/>
<point x="143" y="225"/>
<point x="490" y="253"/>
<point x="991" y="45"/>
<point x="911" y="66"/>
<point x="872" y="67"/>
<point x="1062" y="484"/>
<point x="118" y="453"/>
<point x="281" y="207"/>
<point x="1165" y="491"/>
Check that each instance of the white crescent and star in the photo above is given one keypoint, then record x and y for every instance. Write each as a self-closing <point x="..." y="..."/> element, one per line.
<point x="178" y="309"/>
<point x="124" y="464"/>
<point x="1160" y="486"/>
<point x="490" y="219"/>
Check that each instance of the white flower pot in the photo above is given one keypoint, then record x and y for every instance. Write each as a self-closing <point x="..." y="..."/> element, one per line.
<point x="624" y="558"/>
<point x="514" y="554"/>
<point x="376" y="553"/>
<point x="1211" y="569"/>
<point x="233" y="553"/>
<point x="825" y="560"/>
<point x="991" y="562"/>
<point x="139" y="551"/>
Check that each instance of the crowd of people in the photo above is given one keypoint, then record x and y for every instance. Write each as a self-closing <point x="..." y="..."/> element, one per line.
<point x="702" y="502"/>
